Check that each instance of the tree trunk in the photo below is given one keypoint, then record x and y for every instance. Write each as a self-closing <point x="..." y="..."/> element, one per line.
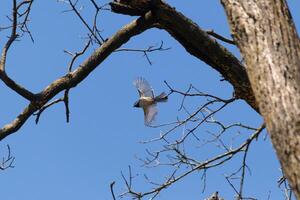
<point x="266" y="36"/>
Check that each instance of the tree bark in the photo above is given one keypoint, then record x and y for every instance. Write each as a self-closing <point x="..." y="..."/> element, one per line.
<point x="266" y="36"/>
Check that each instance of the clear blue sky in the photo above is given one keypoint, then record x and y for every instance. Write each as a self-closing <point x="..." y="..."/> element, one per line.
<point x="78" y="160"/>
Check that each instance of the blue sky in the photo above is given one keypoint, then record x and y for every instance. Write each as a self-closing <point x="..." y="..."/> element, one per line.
<point x="78" y="160"/>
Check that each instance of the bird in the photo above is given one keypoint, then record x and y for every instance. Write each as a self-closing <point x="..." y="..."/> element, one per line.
<point x="215" y="196"/>
<point x="147" y="101"/>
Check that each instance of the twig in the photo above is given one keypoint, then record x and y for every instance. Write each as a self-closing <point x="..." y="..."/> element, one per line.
<point x="146" y="51"/>
<point x="213" y="162"/>
<point x="214" y="34"/>
<point x="7" y="162"/>
<point x="3" y="76"/>
<point x="73" y="6"/>
<point x="112" y="190"/>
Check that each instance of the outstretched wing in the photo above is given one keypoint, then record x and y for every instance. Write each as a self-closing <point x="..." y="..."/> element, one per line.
<point x="150" y="113"/>
<point x="143" y="87"/>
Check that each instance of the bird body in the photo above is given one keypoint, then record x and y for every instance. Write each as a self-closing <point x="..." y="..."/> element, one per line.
<point x="147" y="100"/>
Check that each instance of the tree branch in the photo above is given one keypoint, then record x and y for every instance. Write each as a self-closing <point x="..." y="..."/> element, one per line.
<point x="3" y="76"/>
<point x="83" y="70"/>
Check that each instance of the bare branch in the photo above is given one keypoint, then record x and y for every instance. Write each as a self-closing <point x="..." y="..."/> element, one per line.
<point x="75" y="77"/>
<point x="3" y="76"/>
<point x="192" y="116"/>
<point x="66" y="102"/>
<point x="146" y="51"/>
<point x="77" y="54"/>
<point x="214" y="34"/>
<point x="7" y="162"/>
<point x="38" y="114"/>
<point x="204" y="165"/>
<point x="23" y="25"/>
<point x="112" y="190"/>
<point x="73" y="6"/>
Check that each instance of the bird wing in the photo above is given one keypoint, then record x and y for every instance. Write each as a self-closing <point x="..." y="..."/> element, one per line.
<point x="143" y="87"/>
<point x="150" y="113"/>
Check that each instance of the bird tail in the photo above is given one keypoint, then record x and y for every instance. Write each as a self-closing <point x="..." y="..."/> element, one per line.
<point x="163" y="97"/>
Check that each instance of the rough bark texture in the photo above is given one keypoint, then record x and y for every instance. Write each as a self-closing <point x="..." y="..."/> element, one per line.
<point x="266" y="36"/>
<point x="131" y="7"/>
<point x="195" y="40"/>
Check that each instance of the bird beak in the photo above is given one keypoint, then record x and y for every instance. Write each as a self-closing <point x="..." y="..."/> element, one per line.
<point x="136" y="104"/>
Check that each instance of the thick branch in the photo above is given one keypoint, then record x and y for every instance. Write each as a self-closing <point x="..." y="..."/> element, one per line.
<point x="73" y="78"/>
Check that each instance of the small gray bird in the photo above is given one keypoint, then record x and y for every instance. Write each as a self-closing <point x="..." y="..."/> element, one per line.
<point x="147" y="100"/>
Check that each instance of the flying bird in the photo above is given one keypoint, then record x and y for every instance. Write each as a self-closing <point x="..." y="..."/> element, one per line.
<point x="147" y="100"/>
<point x="215" y="196"/>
